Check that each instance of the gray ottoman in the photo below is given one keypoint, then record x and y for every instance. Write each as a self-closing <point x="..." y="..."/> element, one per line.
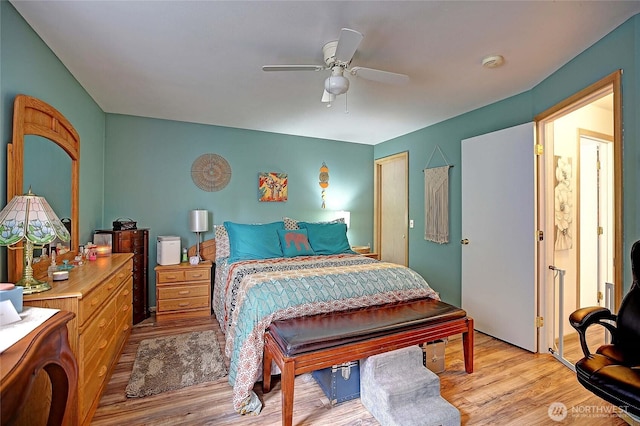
<point x="398" y="390"/>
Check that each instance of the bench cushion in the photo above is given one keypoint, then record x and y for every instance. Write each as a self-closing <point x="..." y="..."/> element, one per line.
<point x="315" y="332"/>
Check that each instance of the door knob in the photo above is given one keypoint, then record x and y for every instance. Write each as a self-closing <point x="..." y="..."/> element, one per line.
<point x="464" y="242"/>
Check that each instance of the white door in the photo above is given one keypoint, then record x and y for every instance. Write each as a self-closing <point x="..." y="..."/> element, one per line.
<point x="498" y="234"/>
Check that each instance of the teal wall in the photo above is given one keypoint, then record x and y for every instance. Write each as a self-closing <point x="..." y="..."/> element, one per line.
<point x="441" y="264"/>
<point x="140" y="168"/>
<point x="149" y="178"/>
<point x="29" y="67"/>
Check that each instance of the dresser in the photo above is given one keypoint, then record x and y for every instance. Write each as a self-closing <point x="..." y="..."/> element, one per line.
<point x="99" y="294"/>
<point x="183" y="290"/>
<point x="135" y="241"/>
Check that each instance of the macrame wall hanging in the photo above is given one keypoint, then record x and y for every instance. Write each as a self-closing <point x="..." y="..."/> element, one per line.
<point x="324" y="181"/>
<point x="436" y="201"/>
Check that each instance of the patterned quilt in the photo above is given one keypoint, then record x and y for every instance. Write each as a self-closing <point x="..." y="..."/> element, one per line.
<point x="249" y="295"/>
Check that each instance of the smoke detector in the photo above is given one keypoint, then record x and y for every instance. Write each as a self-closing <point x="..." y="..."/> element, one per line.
<point x="493" y="61"/>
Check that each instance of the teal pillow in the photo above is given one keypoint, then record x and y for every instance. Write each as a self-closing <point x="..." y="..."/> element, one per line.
<point x="295" y="243"/>
<point x="248" y="242"/>
<point x="327" y="238"/>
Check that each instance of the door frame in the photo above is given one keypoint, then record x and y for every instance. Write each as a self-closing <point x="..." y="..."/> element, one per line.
<point x="609" y="84"/>
<point x="602" y="138"/>
<point x="377" y="189"/>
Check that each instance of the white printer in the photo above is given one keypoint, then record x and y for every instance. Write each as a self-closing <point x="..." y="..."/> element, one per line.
<point x="168" y="250"/>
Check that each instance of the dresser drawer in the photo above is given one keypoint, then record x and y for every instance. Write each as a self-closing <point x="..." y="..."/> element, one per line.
<point x="94" y="372"/>
<point x="183" y="304"/>
<point x="97" y="328"/>
<point x="94" y="299"/>
<point x="182" y="291"/>
<point x="123" y="326"/>
<point x="124" y="297"/>
<point x="170" y="276"/>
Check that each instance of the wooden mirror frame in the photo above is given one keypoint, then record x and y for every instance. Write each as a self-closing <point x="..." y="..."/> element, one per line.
<point x="32" y="116"/>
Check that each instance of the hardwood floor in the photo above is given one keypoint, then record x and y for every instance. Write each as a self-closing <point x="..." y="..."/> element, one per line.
<point x="509" y="386"/>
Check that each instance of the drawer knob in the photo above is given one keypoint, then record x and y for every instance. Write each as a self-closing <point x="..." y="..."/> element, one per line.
<point x="183" y="304"/>
<point x="103" y="371"/>
<point x="94" y="302"/>
<point x="184" y="292"/>
<point x="103" y="344"/>
<point x="197" y="275"/>
<point x="102" y="323"/>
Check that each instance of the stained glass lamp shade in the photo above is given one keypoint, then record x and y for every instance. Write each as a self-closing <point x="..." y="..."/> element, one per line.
<point x="29" y="217"/>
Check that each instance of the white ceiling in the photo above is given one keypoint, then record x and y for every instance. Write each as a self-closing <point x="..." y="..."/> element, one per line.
<point x="200" y="61"/>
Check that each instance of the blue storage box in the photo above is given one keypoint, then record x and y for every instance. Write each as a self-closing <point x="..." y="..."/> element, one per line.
<point x="340" y="382"/>
<point x="14" y="295"/>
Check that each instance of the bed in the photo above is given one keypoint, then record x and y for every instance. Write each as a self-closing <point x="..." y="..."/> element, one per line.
<point x="286" y="269"/>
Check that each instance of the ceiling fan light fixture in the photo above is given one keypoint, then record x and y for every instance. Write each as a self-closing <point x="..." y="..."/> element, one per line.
<point x="336" y="84"/>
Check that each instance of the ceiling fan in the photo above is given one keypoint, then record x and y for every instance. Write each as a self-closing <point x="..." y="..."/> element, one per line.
<point x="337" y="57"/>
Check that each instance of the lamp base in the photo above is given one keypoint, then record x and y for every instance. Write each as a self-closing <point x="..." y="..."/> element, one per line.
<point x="32" y="285"/>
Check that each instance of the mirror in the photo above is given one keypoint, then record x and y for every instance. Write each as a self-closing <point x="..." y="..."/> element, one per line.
<point x="47" y="170"/>
<point x="37" y="161"/>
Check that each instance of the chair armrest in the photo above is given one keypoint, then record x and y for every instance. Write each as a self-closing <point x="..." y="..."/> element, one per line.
<point x="585" y="317"/>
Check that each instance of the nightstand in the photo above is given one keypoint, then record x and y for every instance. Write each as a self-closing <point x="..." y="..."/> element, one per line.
<point x="365" y="251"/>
<point x="183" y="291"/>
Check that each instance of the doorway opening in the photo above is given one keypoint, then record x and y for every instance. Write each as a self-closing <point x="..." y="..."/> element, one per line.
<point x="391" y="208"/>
<point x="579" y="211"/>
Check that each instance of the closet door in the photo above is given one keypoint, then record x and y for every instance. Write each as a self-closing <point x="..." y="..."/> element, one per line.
<point x="498" y="234"/>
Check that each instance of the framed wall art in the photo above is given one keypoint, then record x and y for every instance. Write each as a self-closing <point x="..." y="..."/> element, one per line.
<point x="272" y="186"/>
<point x="563" y="194"/>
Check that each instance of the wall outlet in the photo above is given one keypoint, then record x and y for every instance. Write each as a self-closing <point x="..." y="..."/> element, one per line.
<point x="410" y="223"/>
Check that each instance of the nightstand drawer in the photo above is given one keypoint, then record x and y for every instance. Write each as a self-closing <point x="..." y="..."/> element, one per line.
<point x="183" y="291"/>
<point x="170" y="276"/>
<point x="183" y="304"/>
<point x="197" y="274"/>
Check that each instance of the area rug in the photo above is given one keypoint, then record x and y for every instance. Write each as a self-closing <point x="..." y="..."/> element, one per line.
<point x="168" y="363"/>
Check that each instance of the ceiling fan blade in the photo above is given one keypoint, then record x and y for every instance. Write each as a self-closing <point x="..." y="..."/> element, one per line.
<point x="380" y="76"/>
<point x="328" y="97"/>
<point x="347" y="44"/>
<point x="293" y="68"/>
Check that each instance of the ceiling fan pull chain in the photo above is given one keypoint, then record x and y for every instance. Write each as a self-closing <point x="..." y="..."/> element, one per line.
<point x="346" y="106"/>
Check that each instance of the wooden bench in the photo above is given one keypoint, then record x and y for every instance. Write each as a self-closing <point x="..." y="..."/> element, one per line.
<point x="305" y="344"/>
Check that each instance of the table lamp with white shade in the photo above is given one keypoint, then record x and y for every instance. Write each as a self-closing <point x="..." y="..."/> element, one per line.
<point x="198" y="222"/>
<point x="30" y="218"/>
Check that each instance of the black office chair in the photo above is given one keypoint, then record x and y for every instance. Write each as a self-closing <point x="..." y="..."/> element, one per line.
<point x="613" y="372"/>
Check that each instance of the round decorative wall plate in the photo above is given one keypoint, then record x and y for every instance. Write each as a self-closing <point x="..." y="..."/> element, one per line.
<point x="210" y="172"/>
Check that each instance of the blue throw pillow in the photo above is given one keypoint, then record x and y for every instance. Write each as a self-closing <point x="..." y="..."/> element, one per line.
<point x="248" y="242"/>
<point x="327" y="238"/>
<point x="295" y="243"/>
